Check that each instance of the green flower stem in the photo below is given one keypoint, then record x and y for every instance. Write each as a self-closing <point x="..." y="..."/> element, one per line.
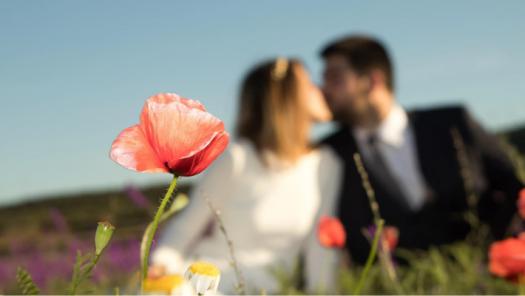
<point x="154" y="228"/>
<point x="95" y="259"/>
<point x="173" y="209"/>
<point x="371" y="256"/>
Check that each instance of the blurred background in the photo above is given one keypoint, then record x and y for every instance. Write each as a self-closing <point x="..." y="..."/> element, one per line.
<point x="73" y="75"/>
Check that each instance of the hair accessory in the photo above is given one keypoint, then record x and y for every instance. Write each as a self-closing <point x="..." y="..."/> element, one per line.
<point x="280" y="69"/>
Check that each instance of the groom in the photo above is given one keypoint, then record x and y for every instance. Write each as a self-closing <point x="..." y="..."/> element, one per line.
<point x="411" y="157"/>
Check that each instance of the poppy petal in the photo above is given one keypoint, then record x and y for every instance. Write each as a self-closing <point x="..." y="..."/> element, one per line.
<point x="497" y="268"/>
<point x="165" y="99"/>
<point x="132" y="150"/>
<point x="176" y="131"/>
<point x="330" y="232"/>
<point x="195" y="164"/>
<point x="507" y="257"/>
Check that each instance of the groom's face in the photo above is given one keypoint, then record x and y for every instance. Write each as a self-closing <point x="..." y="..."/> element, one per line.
<point x="345" y="91"/>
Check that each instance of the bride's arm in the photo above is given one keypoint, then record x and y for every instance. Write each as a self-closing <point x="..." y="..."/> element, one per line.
<point x="321" y="263"/>
<point x="185" y="227"/>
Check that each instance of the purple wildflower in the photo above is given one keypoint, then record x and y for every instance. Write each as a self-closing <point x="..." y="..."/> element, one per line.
<point x="137" y="197"/>
<point x="58" y="220"/>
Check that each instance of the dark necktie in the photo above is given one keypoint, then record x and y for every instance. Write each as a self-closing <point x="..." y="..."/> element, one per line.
<point x="382" y="173"/>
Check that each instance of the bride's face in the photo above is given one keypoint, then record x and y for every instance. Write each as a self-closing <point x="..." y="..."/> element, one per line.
<point x="313" y="98"/>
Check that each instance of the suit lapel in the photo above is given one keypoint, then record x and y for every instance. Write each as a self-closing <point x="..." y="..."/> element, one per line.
<point x="390" y="205"/>
<point x="436" y="157"/>
<point x="425" y="144"/>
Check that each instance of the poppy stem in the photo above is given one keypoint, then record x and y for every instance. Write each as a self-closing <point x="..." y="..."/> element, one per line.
<point x="154" y="227"/>
<point x="371" y="256"/>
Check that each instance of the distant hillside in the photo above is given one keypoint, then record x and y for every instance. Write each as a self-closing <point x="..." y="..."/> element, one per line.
<point x="81" y="213"/>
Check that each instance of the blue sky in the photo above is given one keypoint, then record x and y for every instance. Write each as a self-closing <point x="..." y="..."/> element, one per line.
<point x="73" y="74"/>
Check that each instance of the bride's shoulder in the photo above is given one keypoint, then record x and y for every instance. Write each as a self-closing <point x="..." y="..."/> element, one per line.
<point x="326" y="153"/>
<point x="234" y="156"/>
<point x="329" y="167"/>
<point x="328" y="160"/>
<point x="240" y="149"/>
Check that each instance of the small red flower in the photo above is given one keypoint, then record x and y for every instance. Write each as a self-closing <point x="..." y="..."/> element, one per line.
<point x="331" y="232"/>
<point x="175" y="135"/>
<point x="507" y="257"/>
<point x="391" y="234"/>
<point x="521" y="203"/>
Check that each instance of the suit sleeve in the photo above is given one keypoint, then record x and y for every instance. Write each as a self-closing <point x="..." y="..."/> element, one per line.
<point x="496" y="209"/>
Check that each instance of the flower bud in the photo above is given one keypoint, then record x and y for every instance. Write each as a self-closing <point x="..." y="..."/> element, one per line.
<point x="179" y="203"/>
<point x="103" y="235"/>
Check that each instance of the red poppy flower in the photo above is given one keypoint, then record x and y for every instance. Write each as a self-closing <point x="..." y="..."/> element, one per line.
<point x="521" y="203"/>
<point x="175" y="135"/>
<point x="331" y="232"/>
<point x="507" y="257"/>
<point x="391" y="234"/>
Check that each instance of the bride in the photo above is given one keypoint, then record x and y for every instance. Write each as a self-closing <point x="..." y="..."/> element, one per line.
<point x="270" y="187"/>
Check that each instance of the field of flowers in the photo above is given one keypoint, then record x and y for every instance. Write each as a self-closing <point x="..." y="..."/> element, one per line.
<point x="44" y="239"/>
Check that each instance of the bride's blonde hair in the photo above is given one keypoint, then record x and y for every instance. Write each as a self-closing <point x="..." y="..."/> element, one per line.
<point x="271" y="113"/>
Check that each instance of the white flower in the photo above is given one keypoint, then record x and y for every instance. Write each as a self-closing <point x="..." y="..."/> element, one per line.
<point x="168" y="285"/>
<point x="203" y="277"/>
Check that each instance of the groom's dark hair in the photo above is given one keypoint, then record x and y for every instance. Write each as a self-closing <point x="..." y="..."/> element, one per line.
<point x="364" y="54"/>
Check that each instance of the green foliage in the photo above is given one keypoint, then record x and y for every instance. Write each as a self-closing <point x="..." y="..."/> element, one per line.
<point x="290" y="282"/>
<point x="457" y="269"/>
<point x="460" y="268"/>
<point x="81" y="270"/>
<point x="518" y="160"/>
<point x="25" y="281"/>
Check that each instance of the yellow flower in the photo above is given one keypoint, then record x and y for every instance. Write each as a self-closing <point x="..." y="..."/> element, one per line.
<point x="168" y="285"/>
<point x="203" y="277"/>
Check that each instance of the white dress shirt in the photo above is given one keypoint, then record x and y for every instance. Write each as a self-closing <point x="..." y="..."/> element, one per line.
<point x="270" y="216"/>
<point x="397" y="145"/>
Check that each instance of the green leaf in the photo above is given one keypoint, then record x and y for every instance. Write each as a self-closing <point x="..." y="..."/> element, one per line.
<point x="85" y="258"/>
<point x="85" y="276"/>
<point x="25" y="282"/>
<point x="85" y="267"/>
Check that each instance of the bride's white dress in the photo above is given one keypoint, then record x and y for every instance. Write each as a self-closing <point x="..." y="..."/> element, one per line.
<point x="270" y="216"/>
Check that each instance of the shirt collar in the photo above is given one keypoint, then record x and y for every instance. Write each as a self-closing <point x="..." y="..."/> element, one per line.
<point x="390" y="131"/>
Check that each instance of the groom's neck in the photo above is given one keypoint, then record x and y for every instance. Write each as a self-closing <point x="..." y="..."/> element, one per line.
<point x="380" y="106"/>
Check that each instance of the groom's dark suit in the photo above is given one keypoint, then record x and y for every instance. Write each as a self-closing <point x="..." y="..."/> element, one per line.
<point x="441" y="219"/>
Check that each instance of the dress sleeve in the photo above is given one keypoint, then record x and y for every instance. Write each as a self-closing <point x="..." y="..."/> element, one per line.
<point x="182" y="230"/>
<point x="321" y="263"/>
